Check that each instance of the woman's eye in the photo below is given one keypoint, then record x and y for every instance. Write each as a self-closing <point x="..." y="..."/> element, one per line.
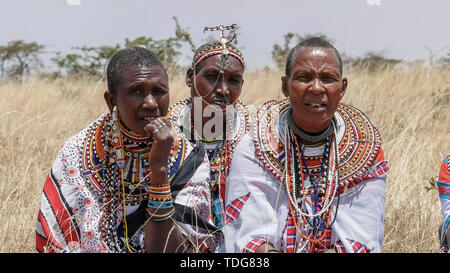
<point x="136" y="91"/>
<point x="304" y="78"/>
<point x="235" y="81"/>
<point x="328" y="79"/>
<point x="159" y="92"/>
<point x="210" y="76"/>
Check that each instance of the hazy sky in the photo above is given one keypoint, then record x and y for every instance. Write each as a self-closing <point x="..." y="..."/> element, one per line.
<point x="399" y="28"/>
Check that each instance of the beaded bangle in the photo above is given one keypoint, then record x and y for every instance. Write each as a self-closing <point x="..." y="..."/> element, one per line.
<point x="166" y="204"/>
<point x="273" y="250"/>
<point x="160" y="192"/>
<point x="161" y="217"/>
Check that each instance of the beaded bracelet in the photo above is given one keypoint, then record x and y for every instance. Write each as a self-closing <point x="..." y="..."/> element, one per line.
<point x="161" y="217"/>
<point x="156" y="204"/>
<point x="160" y="192"/>
<point x="160" y="197"/>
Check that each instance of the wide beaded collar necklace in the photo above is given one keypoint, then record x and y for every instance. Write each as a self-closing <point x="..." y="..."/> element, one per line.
<point x="306" y="136"/>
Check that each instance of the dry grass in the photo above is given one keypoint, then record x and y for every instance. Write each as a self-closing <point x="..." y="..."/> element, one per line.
<point x="411" y="109"/>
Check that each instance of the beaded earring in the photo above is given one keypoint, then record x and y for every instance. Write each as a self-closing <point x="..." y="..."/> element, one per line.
<point x="119" y="157"/>
<point x="119" y="154"/>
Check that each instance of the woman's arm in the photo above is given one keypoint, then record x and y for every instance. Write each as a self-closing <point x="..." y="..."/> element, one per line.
<point x="161" y="232"/>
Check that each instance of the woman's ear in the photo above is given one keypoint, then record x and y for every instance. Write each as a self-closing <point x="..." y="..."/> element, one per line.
<point x="109" y="99"/>
<point x="344" y="87"/>
<point x="189" y="77"/>
<point x="284" y="86"/>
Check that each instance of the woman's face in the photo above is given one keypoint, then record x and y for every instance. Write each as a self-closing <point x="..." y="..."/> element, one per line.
<point x="140" y="96"/>
<point x="217" y="83"/>
<point x="315" y="88"/>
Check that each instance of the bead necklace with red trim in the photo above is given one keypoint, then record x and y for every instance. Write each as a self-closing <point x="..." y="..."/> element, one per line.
<point x="120" y="174"/>
<point x="311" y="227"/>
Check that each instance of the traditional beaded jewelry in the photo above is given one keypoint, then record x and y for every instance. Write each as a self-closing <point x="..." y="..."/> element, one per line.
<point x="308" y="137"/>
<point x="160" y="197"/>
<point x="221" y="47"/>
<point x="159" y="192"/>
<point x="117" y="140"/>
<point x="160" y="217"/>
<point x="119" y="187"/>
<point x="358" y="142"/>
<point x="220" y="153"/>
<point x="314" y="198"/>
<point x="313" y="225"/>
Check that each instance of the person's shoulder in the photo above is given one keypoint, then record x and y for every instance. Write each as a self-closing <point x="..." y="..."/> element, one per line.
<point x="444" y="172"/>
<point x="361" y="156"/>
<point x="177" y="109"/>
<point x="356" y="122"/>
<point x="273" y="106"/>
<point x="353" y="112"/>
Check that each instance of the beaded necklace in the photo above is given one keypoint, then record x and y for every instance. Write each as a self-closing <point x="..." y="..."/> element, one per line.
<point x="219" y="155"/>
<point x="352" y="150"/>
<point x="220" y="152"/>
<point x="119" y="187"/>
<point x="129" y="171"/>
<point x="313" y="227"/>
<point x="358" y="141"/>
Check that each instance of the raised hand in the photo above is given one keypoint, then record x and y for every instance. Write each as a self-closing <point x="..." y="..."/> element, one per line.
<point x="160" y="129"/>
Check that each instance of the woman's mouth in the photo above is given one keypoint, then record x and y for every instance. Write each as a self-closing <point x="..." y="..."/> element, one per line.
<point x="316" y="107"/>
<point x="221" y="102"/>
<point x="149" y="119"/>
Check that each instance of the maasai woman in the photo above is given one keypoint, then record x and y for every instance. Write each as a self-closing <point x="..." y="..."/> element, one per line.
<point x="213" y="115"/>
<point x="129" y="162"/>
<point x="312" y="179"/>
<point x="443" y="183"/>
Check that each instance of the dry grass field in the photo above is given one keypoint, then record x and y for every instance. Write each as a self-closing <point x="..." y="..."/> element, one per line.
<point x="410" y="108"/>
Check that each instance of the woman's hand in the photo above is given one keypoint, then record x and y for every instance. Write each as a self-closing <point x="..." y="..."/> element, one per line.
<point x="161" y="130"/>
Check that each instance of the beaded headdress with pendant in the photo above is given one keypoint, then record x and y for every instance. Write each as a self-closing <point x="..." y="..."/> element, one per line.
<point x="221" y="47"/>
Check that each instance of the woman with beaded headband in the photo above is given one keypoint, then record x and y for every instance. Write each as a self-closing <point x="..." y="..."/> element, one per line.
<point x="312" y="179"/>
<point x="119" y="184"/>
<point x="213" y="115"/>
<point x="443" y="184"/>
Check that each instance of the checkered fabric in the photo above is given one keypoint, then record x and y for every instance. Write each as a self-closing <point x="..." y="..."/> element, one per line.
<point x="234" y="209"/>
<point x="253" y="245"/>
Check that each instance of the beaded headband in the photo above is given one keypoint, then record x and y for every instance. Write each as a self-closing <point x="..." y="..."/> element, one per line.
<point x="221" y="47"/>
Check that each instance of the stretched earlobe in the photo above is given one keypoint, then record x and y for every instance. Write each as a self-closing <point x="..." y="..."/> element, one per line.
<point x="189" y="75"/>
<point x="109" y="99"/>
<point x="344" y="87"/>
<point x="284" y="87"/>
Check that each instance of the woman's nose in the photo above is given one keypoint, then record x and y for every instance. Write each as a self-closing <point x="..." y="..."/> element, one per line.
<point x="150" y="102"/>
<point x="222" y="88"/>
<point x="317" y="86"/>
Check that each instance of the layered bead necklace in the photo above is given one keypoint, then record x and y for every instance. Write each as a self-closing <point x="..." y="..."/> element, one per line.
<point x="318" y="194"/>
<point x="219" y="153"/>
<point x="116" y="165"/>
<point x="127" y="181"/>
<point x="219" y="150"/>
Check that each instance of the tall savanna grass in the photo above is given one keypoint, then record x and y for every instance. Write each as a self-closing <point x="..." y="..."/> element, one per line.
<point x="411" y="108"/>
